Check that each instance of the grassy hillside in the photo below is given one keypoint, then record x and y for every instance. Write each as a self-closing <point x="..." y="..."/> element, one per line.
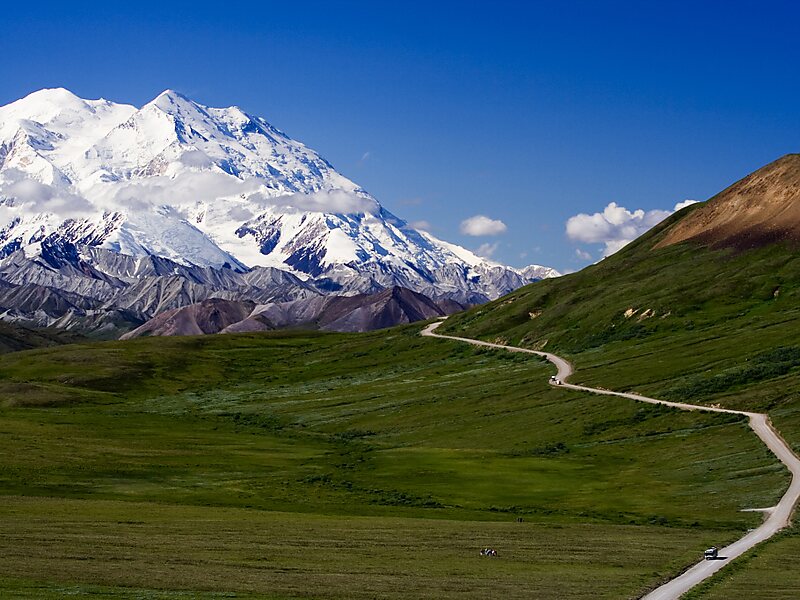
<point x="684" y="323"/>
<point x="333" y="465"/>
<point x="680" y="322"/>
<point x="14" y="338"/>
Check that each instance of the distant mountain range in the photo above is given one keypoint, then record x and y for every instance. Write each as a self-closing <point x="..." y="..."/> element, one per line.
<point x="361" y="312"/>
<point x="110" y="214"/>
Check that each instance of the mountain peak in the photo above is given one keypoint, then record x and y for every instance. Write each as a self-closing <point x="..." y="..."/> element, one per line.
<point x="58" y="94"/>
<point x="211" y="187"/>
<point x="171" y="101"/>
<point x="761" y="209"/>
<point x="171" y="94"/>
<point x="43" y="105"/>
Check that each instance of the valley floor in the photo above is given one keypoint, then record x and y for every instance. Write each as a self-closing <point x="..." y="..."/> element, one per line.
<point x="126" y="550"/>
<point x="338" y="466"/>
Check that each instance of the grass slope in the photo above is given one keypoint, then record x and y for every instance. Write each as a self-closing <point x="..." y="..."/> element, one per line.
<point x="680" y="323"/>
<point x="313" y="465"/>
<point x="14" y="338"/>
<point x="136" y="550"/>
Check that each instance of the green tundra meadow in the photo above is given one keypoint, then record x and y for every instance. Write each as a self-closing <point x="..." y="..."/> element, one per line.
<point x="311" y="465"/>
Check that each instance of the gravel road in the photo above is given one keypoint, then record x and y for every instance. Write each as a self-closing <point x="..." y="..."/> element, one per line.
<point x="777" y="516"/>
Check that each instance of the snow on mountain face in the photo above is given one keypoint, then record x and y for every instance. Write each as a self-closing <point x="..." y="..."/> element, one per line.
<point x="212" y="187"/>
<point x="45" y="134"/>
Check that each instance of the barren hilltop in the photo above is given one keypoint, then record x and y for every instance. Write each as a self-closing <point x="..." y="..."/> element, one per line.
<point x="760" y="209"/>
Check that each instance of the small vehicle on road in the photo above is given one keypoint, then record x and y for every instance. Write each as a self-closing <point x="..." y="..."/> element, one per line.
<point x="711" y="553"/>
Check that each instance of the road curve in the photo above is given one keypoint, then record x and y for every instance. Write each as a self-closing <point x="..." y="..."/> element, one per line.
<point x="779" y="515"/>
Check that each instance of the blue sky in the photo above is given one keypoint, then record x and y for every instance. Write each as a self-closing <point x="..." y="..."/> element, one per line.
<point x="526" y="115"/>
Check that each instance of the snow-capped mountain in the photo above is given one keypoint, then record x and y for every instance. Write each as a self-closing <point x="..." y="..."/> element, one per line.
<point x="211" y="188"/>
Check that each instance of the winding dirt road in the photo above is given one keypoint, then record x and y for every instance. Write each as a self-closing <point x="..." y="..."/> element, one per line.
<point x="778" y="516"/>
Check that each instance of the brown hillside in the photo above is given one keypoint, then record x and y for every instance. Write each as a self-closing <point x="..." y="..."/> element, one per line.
<point x="208" y="316"/>
<point x="362" y="312"/>
<point x="760" y="209"/>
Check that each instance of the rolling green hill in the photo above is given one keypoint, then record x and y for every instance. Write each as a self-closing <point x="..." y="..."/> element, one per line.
<point x="705" y="308"/>
<point x="690" y="320"/>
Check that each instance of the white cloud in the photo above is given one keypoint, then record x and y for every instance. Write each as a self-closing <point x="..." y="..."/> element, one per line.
<point x="191" y="187"/>
<point x="333" y="201"/>
<point x="196" y="158"/>
<point x="616" y="226"/>
<point x="241" y="213"/>
<point x="487" y="250"/>
<point x="186" y="188"/>
<point x="29" y="196"/>
<point x="582" y="254"/>
<point x="423" y="225"/>
<point x="480" y="225"/>
<point x="684" y="204"/>
<point x="21" y="195"/>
